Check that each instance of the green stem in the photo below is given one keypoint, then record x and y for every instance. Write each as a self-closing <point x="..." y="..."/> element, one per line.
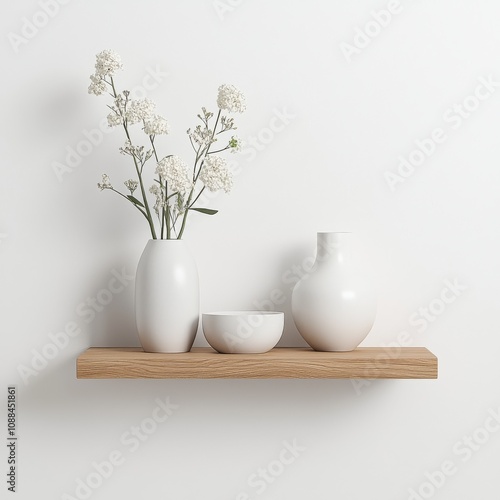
<point x="184" y="219"/>
<point x="193" y="146"/>
<point x="143" y="192"/>
<point x="138" y="208"/>
<point x="165" y="216"/>
<point x="198" y="156"/>
<point x="162" y="223"/>
<point x="196" y="199"/>
<point x="207" y="150"/>
<point x="218" y="151"/>
<point x="195" y="178"/>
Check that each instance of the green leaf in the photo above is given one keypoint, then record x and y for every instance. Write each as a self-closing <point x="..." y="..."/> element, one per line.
<point x="134" y="200"/>
<point x="207" y="211"/>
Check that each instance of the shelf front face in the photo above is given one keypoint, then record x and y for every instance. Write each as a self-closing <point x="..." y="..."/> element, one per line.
<point x="281" y="362"/>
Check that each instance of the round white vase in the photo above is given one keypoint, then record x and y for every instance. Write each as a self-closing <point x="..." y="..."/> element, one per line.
<point x="333" y="305"/>
<point x="167" y="297"/>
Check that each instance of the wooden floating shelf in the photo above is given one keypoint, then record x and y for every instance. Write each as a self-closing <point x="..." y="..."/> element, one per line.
<point x="281" y="362"/>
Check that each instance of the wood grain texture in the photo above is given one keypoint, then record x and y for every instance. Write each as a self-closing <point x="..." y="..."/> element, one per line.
<point x="283" y="362"/>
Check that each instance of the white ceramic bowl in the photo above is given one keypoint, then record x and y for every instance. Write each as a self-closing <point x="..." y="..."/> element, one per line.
<point x="243" y="332"/>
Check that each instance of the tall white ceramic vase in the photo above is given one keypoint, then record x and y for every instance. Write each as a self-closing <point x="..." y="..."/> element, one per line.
<point x="167" y="302"/>
<point x="333" y="306"/>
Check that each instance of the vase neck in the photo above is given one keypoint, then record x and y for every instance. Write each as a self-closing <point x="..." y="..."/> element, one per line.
<point x="332" y="248"/>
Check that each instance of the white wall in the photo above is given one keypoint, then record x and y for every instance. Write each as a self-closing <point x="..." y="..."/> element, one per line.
<point x="61" y="239"/>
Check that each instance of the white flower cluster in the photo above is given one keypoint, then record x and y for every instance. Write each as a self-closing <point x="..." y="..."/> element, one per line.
<point x="114" y="119"/>
<point x="107" y="64"/>
<point x="156" y="125"/>
<point x="226" y="124"/>
<point x="138" y="152"/>
<point x="133" y="111"/>
<point x="179" y="206"/>
<point x="201" y="136"/>
<point x="139" y="110"/>
<point x="105" y="184"/>
<point x="231" y="99"/>
<point x="131" y="185"/>
<point x="117" y="115"/>
<point x="215" y="174"/>
<point x="173" y="170"/>
<point x="160" y="198"/>
<point x="97" y="85"/>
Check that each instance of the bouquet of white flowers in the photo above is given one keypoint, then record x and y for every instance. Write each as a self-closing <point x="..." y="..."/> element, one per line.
<point x="176" y="189"/>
